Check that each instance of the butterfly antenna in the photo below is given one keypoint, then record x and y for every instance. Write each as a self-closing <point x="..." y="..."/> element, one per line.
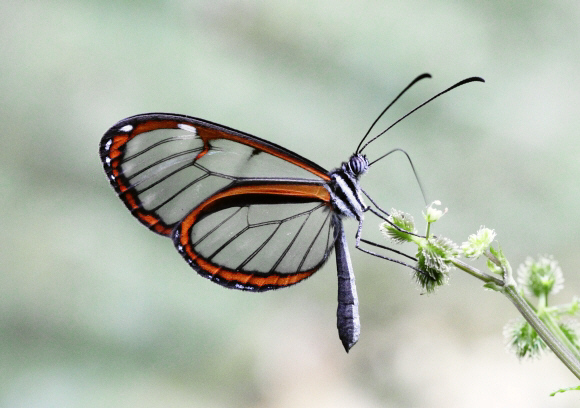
<point x="420" y="77"/>
<point x="412" y="167"/>
<point x="465" y="81"/>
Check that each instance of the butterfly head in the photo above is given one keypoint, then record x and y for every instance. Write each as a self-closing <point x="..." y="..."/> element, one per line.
<point x="357" y="165"/>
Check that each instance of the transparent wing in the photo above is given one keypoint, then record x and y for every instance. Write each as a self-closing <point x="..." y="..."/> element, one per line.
<point x="164" y="165"/>
<point x="259" y="236"/>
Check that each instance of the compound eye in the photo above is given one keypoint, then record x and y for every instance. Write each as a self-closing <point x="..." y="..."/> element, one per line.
<point x="358" y="164"/>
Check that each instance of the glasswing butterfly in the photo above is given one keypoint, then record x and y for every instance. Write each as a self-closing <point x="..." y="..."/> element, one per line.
<point x="244" y="212"/>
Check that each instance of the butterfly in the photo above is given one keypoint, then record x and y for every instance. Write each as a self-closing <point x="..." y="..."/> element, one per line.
<point x="244" y="212"/>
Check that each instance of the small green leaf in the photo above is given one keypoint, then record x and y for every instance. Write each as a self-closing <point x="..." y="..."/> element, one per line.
<point x="496" y="252"/>
<point x="565" y="389"/>
<point x="478" y="243"/>
<point x="492" y="286"/>
<point x="494" y="268"/>
<point x="498" y="263"/>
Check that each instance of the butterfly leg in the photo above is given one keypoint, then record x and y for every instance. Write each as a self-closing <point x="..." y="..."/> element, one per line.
<point x="359" y="240"/>
<point x="382" y="217"/>
<point x="375" y="204"/>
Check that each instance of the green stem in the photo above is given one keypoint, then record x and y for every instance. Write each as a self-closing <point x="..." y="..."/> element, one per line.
<point x="542" y="302"/>
<point x="476" y="272"/>
<point x="549" y="321"/>
<point x="546" y="327"/>
<point x="566" y="355"/>
<point x="554" y="327"/>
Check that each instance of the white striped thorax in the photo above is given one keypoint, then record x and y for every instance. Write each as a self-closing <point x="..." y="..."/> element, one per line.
<point x="344" y="188"/>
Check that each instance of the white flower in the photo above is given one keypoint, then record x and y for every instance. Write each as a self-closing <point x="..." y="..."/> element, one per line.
<point x="433" y="214"/>
<point x="478" y="243"/>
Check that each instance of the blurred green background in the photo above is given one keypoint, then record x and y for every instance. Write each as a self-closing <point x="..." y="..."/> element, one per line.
<point x="96" y="311"/>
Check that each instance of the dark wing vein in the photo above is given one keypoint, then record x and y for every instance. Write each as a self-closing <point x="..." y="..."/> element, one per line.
<point x="161" y="161"/>
<point x="311" y="245"/>
<point x="200" y="178"/>
<point x="287" y="249"/>
<point x="217" y="227"/>
<point x="249" y="258"/>
<point x="159" y="143"/>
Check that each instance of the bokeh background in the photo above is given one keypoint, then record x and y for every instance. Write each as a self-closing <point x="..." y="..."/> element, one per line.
<point x="96" y="311"/>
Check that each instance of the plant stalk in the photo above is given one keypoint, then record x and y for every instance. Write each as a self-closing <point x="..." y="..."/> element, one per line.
<point x="559" y="349"/>
<point x="476" y="272"/>
<point x="557" y="331"/>
<point x="568" y="355"/>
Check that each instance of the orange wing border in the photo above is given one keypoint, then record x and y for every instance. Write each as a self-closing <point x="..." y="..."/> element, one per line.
<point x="246" y="194"/>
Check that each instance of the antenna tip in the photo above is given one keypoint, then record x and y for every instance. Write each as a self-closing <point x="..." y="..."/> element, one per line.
<point x="465" y="81"/>
<point x="476" y="79"/>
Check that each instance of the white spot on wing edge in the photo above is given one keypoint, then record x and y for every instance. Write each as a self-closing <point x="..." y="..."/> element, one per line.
<point x="126" y="128"/>
<point x="108" y="144"/>
<point x="188" y="128"/>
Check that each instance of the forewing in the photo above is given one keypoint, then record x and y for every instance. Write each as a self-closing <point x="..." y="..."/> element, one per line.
<point x="163" y="165"/>
<point x="259" y="236"/>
